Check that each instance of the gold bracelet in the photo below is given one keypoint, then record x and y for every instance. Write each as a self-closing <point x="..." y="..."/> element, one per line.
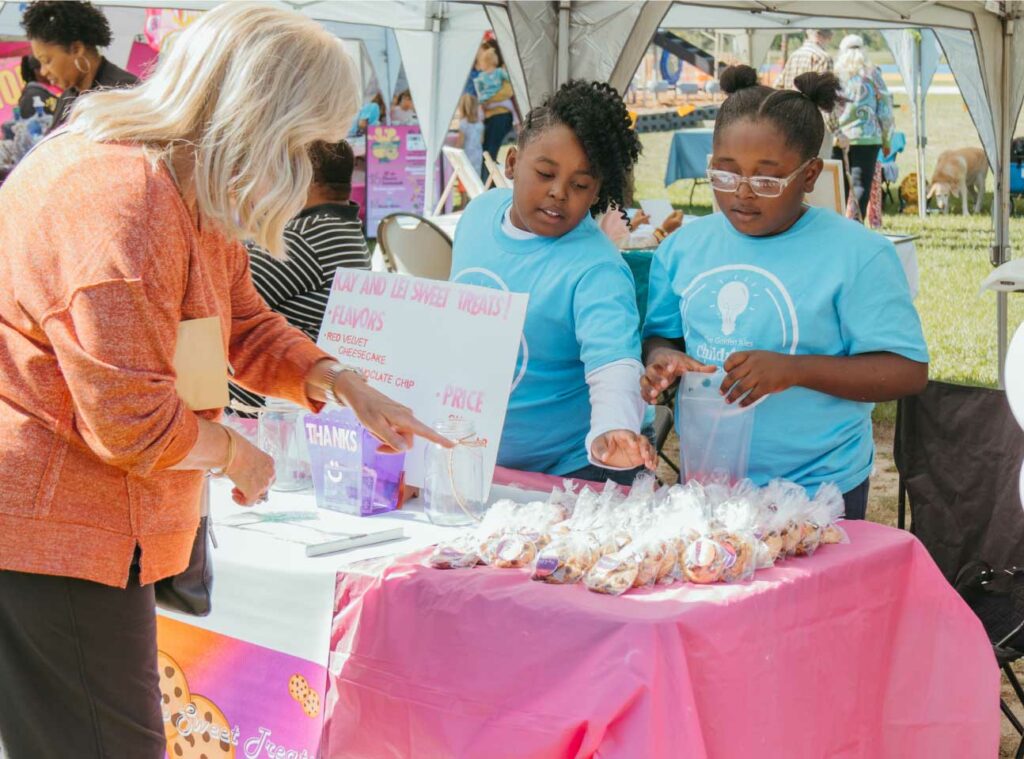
<point x="659" y="234"/>
<point x="232" y="450"/>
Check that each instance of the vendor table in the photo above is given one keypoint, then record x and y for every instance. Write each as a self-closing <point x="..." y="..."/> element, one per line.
<point x="688" y="155"/>
<point x="862" y="650"/>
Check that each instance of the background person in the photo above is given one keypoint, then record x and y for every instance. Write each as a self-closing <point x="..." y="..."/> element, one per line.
<point x="34" y="88"/>
<point x="101" y="462"/>
<point x="811" y="57"/>
<point x="369" y="115"/>
<point x="866" y="120"/>
<point x="325" y="236"/>
<point x="471" y="131"/>
<point x="403" y="112"/>
<point x="498" y="107"/>
<point x="65" y="39"/>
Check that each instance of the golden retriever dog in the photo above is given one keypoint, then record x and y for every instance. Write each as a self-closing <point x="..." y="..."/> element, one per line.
<point x="956" y="172"/>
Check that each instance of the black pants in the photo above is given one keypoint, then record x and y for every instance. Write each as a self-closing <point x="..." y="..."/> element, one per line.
<point x="862" y="171"/>
<point x="78" y="670"/>
<point x="496" y="128"/>
<point x="856" y="501"/>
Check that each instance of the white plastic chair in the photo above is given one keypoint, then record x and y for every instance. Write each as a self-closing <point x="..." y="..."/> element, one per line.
<point x="415" y="246"/>
<point x="462" y="171"/>
<point x="497" y="173"/>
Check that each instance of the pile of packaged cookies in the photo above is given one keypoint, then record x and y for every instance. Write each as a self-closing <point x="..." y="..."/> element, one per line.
<point x="612" y="542"/>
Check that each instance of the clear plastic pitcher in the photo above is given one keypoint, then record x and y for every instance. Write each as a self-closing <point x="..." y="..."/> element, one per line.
<point x="714" y="436"/>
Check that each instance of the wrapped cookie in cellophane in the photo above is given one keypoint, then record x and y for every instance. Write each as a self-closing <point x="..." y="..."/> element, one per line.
<point x="567" y="558"/>
<point x="828" y="509"/>
<point x="705" y="561"/>
<point x="515" y="534"/>
<point x="790" y="503"/>
<point x="743" y="518"/>
<point x="459" y="552"/>
<point x="613" y="574"/>
<point x="741" y="554"/>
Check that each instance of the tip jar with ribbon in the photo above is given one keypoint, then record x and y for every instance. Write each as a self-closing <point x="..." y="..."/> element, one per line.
<point x="453" y="478"/>
<point x="282" y="437"/>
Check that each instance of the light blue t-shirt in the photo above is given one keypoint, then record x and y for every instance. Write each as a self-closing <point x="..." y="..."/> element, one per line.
<point x="582" y="315"/>
<point x="370" y="112"/>
<point x="827" y="287"/>
<point x="487" y="83"/>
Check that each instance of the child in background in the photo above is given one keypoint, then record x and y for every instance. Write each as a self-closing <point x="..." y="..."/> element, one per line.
<point x="575" y="408"/>
<point x="471" y="132"/>
<point x="369" y="115"/>
<point x="795" y="303"/>
<point x="402" y="112"/>
<point x="491" y="77"/>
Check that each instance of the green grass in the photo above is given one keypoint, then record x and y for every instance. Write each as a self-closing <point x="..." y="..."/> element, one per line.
<point x="953" y="251"/>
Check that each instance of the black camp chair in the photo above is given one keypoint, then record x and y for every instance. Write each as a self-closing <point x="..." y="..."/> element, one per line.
<point x="958" y="450"/>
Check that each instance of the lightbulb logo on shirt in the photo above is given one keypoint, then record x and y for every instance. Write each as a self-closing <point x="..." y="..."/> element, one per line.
<point x="737" y="308"/>
<point x="487" y="278"/>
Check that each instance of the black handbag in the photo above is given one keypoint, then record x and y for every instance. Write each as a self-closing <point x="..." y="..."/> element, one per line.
<point x="996" y="596"/>
<point x="189" y="591"/>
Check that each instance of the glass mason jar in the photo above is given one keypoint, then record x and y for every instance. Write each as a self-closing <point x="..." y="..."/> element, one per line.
<point x="453" y="478"/>
<point x="282" y="437"/>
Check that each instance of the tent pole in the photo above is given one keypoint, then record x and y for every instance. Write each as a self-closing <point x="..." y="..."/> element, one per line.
<point x="429" y="190"/>
<point x="1001" y="198"/>
<point x="922" y="140"/>
<point x="563" y="43"/>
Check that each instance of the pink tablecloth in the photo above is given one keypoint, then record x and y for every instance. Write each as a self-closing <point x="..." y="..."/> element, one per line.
<point x="860" y="651"/>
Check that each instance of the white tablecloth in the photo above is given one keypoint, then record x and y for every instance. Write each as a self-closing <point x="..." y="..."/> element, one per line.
<point x="266" y="590"/>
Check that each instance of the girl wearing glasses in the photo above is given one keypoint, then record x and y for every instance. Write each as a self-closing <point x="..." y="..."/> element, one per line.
<point x="792" y="302"/>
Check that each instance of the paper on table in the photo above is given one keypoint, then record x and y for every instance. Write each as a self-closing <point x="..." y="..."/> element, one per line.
<point x="658" y="209"/>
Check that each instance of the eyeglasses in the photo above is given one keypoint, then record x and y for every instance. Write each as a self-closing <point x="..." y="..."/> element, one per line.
<point x="764" y="187"/>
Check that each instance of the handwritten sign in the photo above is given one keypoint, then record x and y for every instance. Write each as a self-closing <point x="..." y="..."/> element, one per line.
<point x="396" y="170"/>
<point x="443" y="349"/>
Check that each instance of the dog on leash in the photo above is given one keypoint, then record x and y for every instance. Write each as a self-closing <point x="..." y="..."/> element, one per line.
<point x="956" y="172"/>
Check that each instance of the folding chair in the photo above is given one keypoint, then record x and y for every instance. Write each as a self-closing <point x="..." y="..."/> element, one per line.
<point x="496" y="173"/>
<point x="413" y="245"/>
<point x="462" y="171"/>
<point x="958" y="450"/>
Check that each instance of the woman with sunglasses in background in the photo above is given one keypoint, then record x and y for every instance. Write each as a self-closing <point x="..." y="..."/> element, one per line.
<point x="790" y="301"/>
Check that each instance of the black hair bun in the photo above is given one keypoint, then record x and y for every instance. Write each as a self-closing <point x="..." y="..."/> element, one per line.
<point x="736" y="78"/>
<point x="821" y="89"/>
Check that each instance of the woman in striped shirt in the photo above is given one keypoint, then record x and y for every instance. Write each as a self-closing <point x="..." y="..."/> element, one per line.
<point x="326" y="235"/>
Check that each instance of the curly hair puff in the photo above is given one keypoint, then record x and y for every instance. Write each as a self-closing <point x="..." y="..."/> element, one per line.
<point x="57" y="22"/>
<point x="594" y="111"/>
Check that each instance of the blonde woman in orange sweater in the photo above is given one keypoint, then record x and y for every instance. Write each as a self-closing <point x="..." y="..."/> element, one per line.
<point x="135" y="215"/>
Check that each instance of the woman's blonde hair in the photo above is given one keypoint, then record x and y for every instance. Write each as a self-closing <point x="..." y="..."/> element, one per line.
<point x="469" y="108"/>
<point x="851" y="61"/>
<point x="248" y="89"/>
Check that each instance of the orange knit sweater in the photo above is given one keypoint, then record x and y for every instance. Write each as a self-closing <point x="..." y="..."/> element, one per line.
<point x="99" y="262"/>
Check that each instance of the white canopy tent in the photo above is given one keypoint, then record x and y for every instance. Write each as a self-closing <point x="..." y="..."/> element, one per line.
<point x="547" y="42"/>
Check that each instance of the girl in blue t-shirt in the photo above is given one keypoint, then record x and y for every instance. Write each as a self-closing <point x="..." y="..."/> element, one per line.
<point x="795" y="303"/>
<point x="575" y="407"/>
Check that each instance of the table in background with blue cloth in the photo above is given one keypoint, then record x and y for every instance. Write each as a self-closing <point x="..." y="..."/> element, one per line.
<point x="688" y="155"/>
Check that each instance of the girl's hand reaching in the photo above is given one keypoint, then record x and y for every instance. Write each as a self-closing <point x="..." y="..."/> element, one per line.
<point x="622" y="449"/>
<point x="664" y="367"/>
<point x="759" y="372"/>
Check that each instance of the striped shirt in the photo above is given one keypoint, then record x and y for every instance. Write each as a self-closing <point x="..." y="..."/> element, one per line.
<point x="318" y="241"/>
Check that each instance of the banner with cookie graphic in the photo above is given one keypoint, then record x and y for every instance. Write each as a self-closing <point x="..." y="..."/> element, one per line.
<point x="224" y="698"/>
